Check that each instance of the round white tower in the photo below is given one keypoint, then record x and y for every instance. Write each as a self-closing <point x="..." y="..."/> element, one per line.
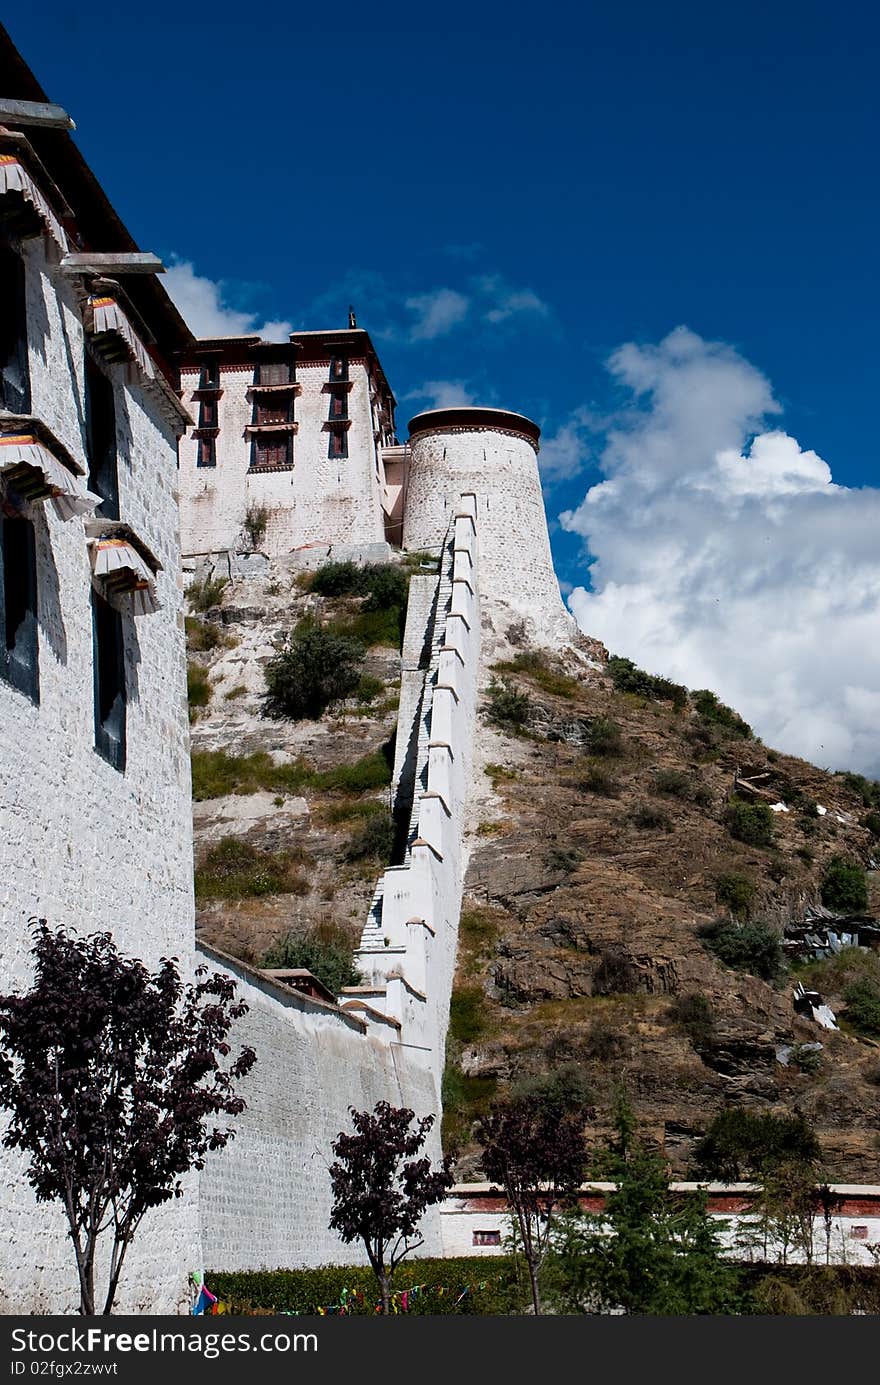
<point x="493" y="453"/>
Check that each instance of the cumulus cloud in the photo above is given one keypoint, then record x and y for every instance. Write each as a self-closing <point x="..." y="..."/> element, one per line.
<point x="442" y="394"/>
<point x="203" y="305"/>
<point x="436" y="313"/>
<point x="723" y="554"/>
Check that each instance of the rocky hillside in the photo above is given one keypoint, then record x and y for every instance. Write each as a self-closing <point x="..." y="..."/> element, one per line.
<point x="647" y="882"/>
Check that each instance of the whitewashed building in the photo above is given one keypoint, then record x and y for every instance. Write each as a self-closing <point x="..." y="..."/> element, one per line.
<point x="292" y="431"/>
<point x="95" y="783"/>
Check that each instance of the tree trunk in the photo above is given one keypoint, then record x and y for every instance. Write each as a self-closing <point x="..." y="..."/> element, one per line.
<point x="385" y="1290"/>
<point x="86" y="1268"/>
<point x="533" y="1281"/>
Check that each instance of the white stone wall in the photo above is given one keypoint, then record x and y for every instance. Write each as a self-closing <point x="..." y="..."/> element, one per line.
<point x="516" y="566"/>
<point x="82" y="844"/>
<point x="414" y="953"/>
<point x="321" y="500"/>
<point x="266" y="1198"/>
<point x="853" y="1235"/>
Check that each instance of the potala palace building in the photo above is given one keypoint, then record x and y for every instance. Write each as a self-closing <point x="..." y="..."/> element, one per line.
<point x="129" y="453"/>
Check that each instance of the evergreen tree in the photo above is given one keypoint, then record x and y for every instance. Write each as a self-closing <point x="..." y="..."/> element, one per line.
<point x="649" y="1251"/>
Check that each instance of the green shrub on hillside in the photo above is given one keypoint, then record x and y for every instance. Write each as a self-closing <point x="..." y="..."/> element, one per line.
<point x="315" y="669"/>
<point x="373" y="839"/>
<point x="206" y="593"/>
<point x="751" y="823"/>
<point x="198" y="685"/>
<point x="753" y="947"/>
<point x="716" y="713"/>
<point x="626" y="677"/>
<point x="604" y="737"/>
<point x="844" y="886"/>
<point x="868" y="790"/>
<point x="863" y="1006"/>
<point x="385" y="589"/>
<point x="693" y="1014"/>
<point x="325" y="951"/>
<point x="507" y="707"/>
<point x="737" y="892"/>
<point x="674" y="782"/>
<point x="742" y="1144"/>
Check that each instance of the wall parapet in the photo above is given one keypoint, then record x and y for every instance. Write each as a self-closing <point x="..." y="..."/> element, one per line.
<point x="412" y="930"/>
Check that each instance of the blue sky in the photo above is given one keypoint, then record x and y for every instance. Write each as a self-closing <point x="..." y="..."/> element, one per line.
<point x="508" y="197"/>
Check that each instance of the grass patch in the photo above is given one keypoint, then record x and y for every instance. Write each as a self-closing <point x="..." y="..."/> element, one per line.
<point x="202" y="596"/>
<point x="352" y="810"/>
<point x="544" y="671"/>
<point x="467" y="1014"/>
<point x="216" y="773"/>
<point x="673" y="782"/>
<point x="499" y="774"/>
<point x="198" y="687"/>
<point x="693" y="1014"/>
<point x="650" y="817"/>
<point x="566" y="859"/>
<point x="369" y="688"/>
<point x="594" y="778"/>
<point x="204" y="635"/>
<point x="233" y="869"/>
<point x="868" y="790"/>
<point x="238" y="691"/>
<point x="373" y="840"/>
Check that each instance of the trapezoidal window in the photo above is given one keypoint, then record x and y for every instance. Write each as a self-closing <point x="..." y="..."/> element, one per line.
<point x="339" y="405"/>
<point x="108" y="666"/>
<point x="206" y="452"/>
<point x="209" y="375"/>
<point x="19" y="653"/>
<point x="274" y="409"/>
<point x="15" y="385"/>
<point x="338" y="443"/>
<point x="338" y="368"/>
<point x="207" y="413"/>
<point x="273" y="373"/>
<point x="101" y="438"/>
<point x="271" y="450"/>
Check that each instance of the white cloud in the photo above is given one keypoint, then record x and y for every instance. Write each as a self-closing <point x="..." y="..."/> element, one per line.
<point x="436" y="313"/>
<point x="202" y="305"/>
<point x="502" y="302"/>
<point x="442" y="394"/>
<point x="723" y="554"/>
<point x="566" y="452"/>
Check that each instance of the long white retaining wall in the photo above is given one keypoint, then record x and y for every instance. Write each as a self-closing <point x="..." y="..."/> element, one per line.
<point x="410" y="947"/>
<point x="265" y="1199"/>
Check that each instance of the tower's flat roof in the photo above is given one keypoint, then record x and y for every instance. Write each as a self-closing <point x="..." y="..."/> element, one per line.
<point x="475" y="416"/>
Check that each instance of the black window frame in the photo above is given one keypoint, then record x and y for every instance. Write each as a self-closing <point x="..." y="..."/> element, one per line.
<point x="102" y="445"/>
<point x="109" y="682"/>
<point x="15" y="393"/>
<point x="19" y="627"/>
<point x="209" y="375"/>
<point x="338" y="438"/>
<point x="338" y="368"/>
<point x="209" y="445"/>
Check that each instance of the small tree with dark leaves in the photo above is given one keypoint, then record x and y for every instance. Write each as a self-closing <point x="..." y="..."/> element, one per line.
<point x="533" y="1148"/>
<point x="111" y="1074"/>
<point x="381" y="1190"/>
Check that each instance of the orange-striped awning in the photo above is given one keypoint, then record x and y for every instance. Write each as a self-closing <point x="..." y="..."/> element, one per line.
<point x="31" y="469"/>
<point x="113" y="334"/>
<point x="15" y="180"/>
